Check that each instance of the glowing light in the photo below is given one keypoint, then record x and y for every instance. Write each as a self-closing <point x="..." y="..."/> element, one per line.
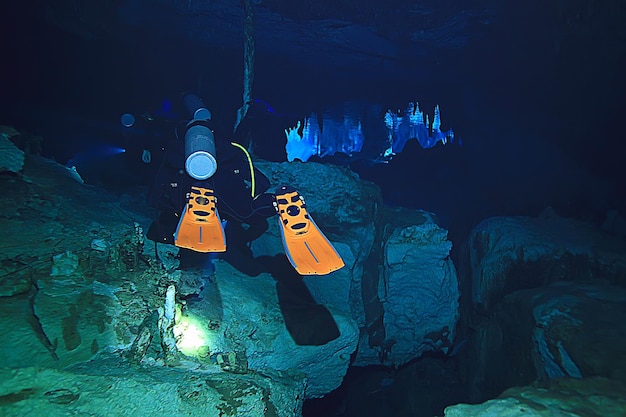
<point x="346" y="129"/>
<point x="105" y="150"/>
<point x="193" y="337"/>
<point x="95" y="153"/>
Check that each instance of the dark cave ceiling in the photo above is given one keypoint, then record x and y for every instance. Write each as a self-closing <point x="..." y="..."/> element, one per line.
<point x="338" y="35"/>
<point x="430" y="41"/>
<point x="563" y="59"/>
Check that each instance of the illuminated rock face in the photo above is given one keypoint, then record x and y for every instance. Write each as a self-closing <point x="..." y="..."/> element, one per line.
<point x="359" y="130"/>
<point x="414" y="124"/>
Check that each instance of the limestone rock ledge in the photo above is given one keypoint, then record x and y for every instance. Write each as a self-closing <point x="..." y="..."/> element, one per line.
<point x="547" y="302"/>
<point x="399" y="285"/>
<point x="567" y="329"/>
<point x="109" y="388"/>
<point x="83" y="284"/>
<point x="255" y="319"/>
<point x="511" y="253"/>
<point x="419" y="290"/>
<point x="564" y="397"/>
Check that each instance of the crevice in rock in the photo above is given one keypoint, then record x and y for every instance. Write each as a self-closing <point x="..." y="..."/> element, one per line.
<point x="35" y="323"/>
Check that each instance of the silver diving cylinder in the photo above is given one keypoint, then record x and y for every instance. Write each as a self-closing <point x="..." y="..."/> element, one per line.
<point x="200" y="160"/>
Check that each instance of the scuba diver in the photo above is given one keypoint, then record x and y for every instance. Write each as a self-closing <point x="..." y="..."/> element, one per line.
<point x="145" y="137"/>
<point x="206" y="206"/>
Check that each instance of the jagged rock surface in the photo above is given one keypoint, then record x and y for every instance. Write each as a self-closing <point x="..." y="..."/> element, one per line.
<point x="546" y="302"/>
<point x="399" y="285"/>
<point x="79" y="290"/>
<point x="345" y="210"/>
<point x="568" y="329"/>
<point x="256" y="319"/>
<point x="11" y="157"/>
<point x="510" y="253"/>
<point x="419" y="290"/>
<point x="88" y="287"/>
<point x="564" y="397"/>
<point x="110" y="388"/>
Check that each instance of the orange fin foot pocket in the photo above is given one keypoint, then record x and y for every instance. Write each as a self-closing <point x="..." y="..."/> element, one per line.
<point x="307" y="248"/>
<point x="200" y="227"/>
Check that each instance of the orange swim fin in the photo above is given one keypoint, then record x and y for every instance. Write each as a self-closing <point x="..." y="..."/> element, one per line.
<point x="307" y="248"/>
<point x="200" y="227"/>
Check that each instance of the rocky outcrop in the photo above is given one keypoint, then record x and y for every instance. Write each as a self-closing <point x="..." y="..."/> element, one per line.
<point x="281" y="331"/>
<point x="562" y="397"/>
<point x="567" y="329"/>
<point x="90" y="288"/>
<point x="399" y="285"/>
<point x="546" y="302"/>
<point x="11" y="157"/>
<point x="419" y="291"/>
<point x="346" y="209"/>
<point x="511" y="253"/>
<point x="110" y="388"/>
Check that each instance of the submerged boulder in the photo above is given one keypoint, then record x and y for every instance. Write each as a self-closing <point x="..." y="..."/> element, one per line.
<point x="563" y="397"/>
<point x="279" y="328"/>
<point x="546" y="302"/>
<point x="511" y="253"/>
<point x="399" y="285"/>
<point x="419" y="290"/>
<point x="567" y="329"/>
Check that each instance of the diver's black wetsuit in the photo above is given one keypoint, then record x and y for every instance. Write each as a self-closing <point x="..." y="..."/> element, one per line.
<point x="245" y="216"/>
